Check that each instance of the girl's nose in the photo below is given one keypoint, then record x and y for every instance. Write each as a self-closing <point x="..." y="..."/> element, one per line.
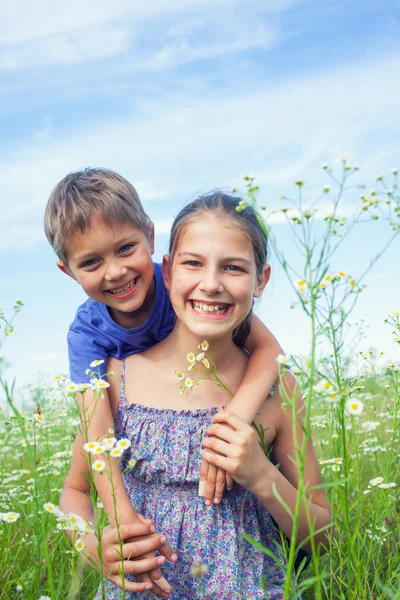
<point x="211" y="283"/>
<point x="115" y="272"/>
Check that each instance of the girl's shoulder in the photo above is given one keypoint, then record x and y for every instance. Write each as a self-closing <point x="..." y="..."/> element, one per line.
<point x="274" y="413"/>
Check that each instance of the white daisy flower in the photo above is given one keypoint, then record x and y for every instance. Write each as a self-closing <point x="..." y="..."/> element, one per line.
<point x="376" y="481"/>
<point x="200" y="356"/>
<point x="50" y="507"/>
<point x="204" y="346"/>
<point x="99" y="465"/>
<point x="335" y="468"/>
<point x="90" y="446"/>
<point x="354" y="406"/>
<point x="116" y="452"/>
<point x="39" y="418"/>
<point x="206" y="363"/>
<point x="99" y="384"/>
<point x="79" y="545"/>
<point x="180" y="375"/>
<point x="108" y="443"/>
<point x="10" y="517"/>
<point x="96" y="363"/>
<point x="124" y="444"/>
<point x="282" y="360"/>
<point x="191" y="357"/>
<point x="189" y="383"/>
<point x="132" y="463"/>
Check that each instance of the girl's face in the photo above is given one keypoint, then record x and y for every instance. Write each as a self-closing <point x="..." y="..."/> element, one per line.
<point x="212" y="279"/>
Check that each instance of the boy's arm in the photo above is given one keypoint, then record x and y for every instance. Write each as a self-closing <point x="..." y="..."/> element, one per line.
<point x="261" y="374"/>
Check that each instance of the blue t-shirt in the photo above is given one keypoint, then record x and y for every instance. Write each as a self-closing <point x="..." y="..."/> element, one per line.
<point x="94" y="335"/>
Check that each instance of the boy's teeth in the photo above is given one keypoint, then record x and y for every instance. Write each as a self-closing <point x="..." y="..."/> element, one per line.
<point x="209" y="308"/>
<point x="125" y="289"/>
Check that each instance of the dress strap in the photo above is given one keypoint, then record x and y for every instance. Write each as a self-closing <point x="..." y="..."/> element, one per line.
<point x="122" y="397"/>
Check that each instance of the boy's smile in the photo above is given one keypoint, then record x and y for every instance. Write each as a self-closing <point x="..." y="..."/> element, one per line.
<point x="113" y="265"/>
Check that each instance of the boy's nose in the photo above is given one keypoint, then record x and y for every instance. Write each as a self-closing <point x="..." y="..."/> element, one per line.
<point x="115" y="272"/>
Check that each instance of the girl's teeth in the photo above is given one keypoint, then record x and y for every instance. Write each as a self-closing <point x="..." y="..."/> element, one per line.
<point x="208" y="308"/>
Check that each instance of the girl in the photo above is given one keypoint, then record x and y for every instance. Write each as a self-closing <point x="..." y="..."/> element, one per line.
<point x="215" y="268"/>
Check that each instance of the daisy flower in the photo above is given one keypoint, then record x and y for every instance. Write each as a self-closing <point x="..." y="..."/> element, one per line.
<point x="39" y="418"/>
<point x="354" y="407"/>
<point x="131" y="463"/>
<point x="90" y="446"/>
<point x="180" y="375"/>
<point x="99" y="465"/>
<point x="189" y="383"/>
<point x="10" y="517"/>
<point x="79" y="545"/>
<point x="96" y="363"/>
<point x="116" y="452"/>
<point x="282" y="360"/>
<point x="200" y="356"/>
<point x="376" y="481"/>
<point x="204" y="346"/>
<point x="191" y="357"/>
<point x="206" y="363"/>
<point x="108" y="443"/>
<point x="124" y="444"/>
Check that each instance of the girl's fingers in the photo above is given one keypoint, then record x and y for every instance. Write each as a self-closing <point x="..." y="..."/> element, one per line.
<point x="223" y="432"/>
<point x="226" y="416"/>
<point x="216" y="459"/>
<point x="130" y="586"/>
<point x="132" y="530"/>
<point x="155" y="588"/>
<point x="134" y="567"/>
<point x="138" y="548"/>
<point x="218" y="446"/>
<point x="167" y="551"/>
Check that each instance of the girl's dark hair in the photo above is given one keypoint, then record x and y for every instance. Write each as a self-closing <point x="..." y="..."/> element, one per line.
<point x="224" y="205"/>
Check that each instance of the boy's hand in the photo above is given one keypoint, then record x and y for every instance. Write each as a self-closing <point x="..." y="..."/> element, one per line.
<point x="213" y="480"/>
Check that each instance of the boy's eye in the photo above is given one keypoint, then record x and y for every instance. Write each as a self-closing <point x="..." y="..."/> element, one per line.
<point x="88" y="263"/>
<point x="126" y="248"/>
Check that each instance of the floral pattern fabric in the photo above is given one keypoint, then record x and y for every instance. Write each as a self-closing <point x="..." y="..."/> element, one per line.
<point x="163" y="485"/>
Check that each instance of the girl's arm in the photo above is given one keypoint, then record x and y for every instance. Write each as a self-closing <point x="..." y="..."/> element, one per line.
<point x="75" y="499"/>
<point x="242" y="457"/>
<point x="260" y="376"/>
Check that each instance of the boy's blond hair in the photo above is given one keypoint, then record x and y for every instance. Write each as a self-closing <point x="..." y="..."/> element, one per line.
<point x="83" y="194"/>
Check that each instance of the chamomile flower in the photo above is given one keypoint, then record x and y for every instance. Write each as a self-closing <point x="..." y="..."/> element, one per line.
<point x="124" y="444"/>
<point x="335" y="468"/>
<point x="191" y="357"/>
<point x="79" y="544"/>
<point x="282" y="360"/>
<point x="375" y="481"/>
<point x="108" y="443"/>
<point x="39" y="418"/>
<point x="99" y="384"/>
<point x="90" y="446"/>
<point x="10" y="517"/>
<point x="131" y="463"/>
<point x="44" y="598"/>
<point x="73" y="388"/>
<point x="200" y="356"/>
<point x="50" y="507"/>
<point x="180" y="375"/>
<point x="189" y="383"/>
<point x="206" y="363"/>
<point x="96" y="363"/>
<point x="99" y="465"/>
<point x="116" y="452"/>
<point x="204" y="346"/>
<point x="354" y="406"/>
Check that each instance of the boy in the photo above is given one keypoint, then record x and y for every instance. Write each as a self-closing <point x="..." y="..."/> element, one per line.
<point x="104" y="240"/>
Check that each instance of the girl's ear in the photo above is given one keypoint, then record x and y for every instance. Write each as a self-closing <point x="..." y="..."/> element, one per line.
<point x="262" y="281"/>
<point x="166" y="270"/>
<point x="64" y="268"/>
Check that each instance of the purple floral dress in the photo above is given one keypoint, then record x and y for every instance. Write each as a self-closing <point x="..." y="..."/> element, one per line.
<point x="163" y="486"/>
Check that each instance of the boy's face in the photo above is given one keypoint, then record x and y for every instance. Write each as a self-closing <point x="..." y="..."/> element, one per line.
<point x="114" y="267"/>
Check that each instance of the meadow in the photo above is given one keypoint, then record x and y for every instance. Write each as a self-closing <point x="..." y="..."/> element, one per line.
<point x="353" y="419"/>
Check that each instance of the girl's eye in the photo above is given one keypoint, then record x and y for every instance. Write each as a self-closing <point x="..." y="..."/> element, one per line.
<point x="192" y="263"/>
<point x="234" y="268"/>
<point x="126" y="248"/>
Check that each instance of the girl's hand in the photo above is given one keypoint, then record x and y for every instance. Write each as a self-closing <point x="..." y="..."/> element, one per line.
<point x="212" y="482"/>
<point x="237" y="448"/>
<point x="140" y="543"/>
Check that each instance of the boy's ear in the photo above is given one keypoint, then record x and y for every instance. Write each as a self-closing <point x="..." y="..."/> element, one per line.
<point x="151" y="238"/>
<point x="64" y="269"/>
<point x="262" y="281"/>
<point x="165" y="270"/>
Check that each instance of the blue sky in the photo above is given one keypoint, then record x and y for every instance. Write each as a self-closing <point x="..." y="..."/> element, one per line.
<point x="181" y="97"/>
